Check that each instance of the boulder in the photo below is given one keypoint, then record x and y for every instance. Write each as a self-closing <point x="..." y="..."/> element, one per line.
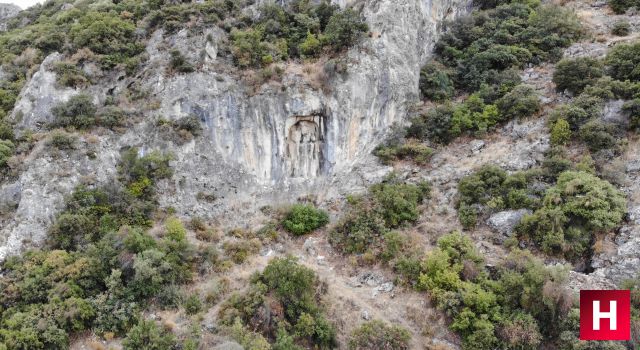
<point x="505" y="222"/>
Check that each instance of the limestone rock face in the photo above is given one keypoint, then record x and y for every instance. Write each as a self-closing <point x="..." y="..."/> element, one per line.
<point x="264" y="145"/>
<point x="7" y="11"/>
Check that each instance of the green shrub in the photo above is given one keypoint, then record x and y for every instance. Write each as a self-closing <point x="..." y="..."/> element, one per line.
<point x="435" y="83"/>
<point x="6" y="151"/>
<point x="398" y="203"/>
<point x="575" y="116"/>
<point x="622" y="62"/>
<point x="107" y="34"/>
<point x="190" y="124"/>
<point x="283" y="32"/>
<point x="621" y="28"/>
<point x="520" y="102"/>
<point x="436" y="125"/>
<point x="344" y="29"/>
<point x="443" y="123"/>
<point x="62" y="140"/>
<point x="358" y="231"/>
<point x="146" y="335"/>
<point x="78" y="112"/>
<point x="374" y="335"/>
<point x="491" y="189"/>
<point x="303" y="219"/>
<point x="296" y="290"/>
<point x="632" y="109"/>
<point x="560" y="132"/>
<point x="621" y="6"/>
<point x="311" y="46"/>
<point x="577" y="207"/>
<point x="193" y="304"/>
<point x="517" y="306"/>
<point x="6" y="130"/>
<point x="511" y="35"/>
<point x="366" y="225"/>
<point x="111" y="117"/>
<point x="412" y="150"/>
<point x="70" y="75"/>
<point x="179" y="63"/>
<point x="575" y="74"/>
<point x="599" y="135"/>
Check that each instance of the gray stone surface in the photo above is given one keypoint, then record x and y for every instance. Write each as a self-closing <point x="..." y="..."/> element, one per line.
<point x="505" y="222"/>
<point x="7" y="11"/>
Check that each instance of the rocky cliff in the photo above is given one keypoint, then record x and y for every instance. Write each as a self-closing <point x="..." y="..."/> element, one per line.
<point x="312" y="133"/>
<point x="7" y="11"/>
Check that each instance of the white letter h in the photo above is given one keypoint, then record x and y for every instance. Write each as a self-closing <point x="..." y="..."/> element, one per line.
<point x="598" y="315"/>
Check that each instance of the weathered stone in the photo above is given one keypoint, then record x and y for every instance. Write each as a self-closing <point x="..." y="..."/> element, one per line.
<point x="476" y="146"/>
<point x="505" y="222"/>
<point x="7" y="11"/>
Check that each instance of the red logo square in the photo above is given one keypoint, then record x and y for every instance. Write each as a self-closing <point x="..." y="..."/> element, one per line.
<point x="605" y="315"/>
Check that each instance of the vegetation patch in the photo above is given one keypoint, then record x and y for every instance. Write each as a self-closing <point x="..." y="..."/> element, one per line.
<point x="297" y="30"/>
<point x="283" y="306"/>
<point x="374" y="335"/>
<point x="100" y="269"/>
<point x="303" y="219"/>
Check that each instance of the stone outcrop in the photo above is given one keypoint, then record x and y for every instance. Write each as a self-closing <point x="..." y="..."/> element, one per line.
<point x="7" y="11"/>
<point x="505" y="222"/>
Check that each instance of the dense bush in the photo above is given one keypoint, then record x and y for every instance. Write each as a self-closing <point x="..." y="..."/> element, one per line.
<point x="70" y="75"/>
<point x="6" y="151"/>
<point x="517" y="307"/>
<point x="621" y="28"/>
<point x="147" y="335"/>
<point x="622" y="62"/>
<point x="107" y="34"/>
<point x="100" y="281"/>
<point x="579" y="205"/>
<point x="303" y="219"/>
<point x="510" y="35"/>
<point x="491" y="187"/>
<point x="621" y="6"/>
<point x="376" y="335"/>
<point x="62" y="140"/>
<point x="190" y="126"/>
<point x="599" y="135"/>
<point x="78" y="112"/>
<point x="291" y="288"/>
<point x="111" y="117"/>
<point x="560" y="132"/>
<point x="412" y="150"/>
<point x="435" y="83"/>
<point x="576" y="74"/>
<point x="365" y="228"/>
<point x="280" y="33"/>
<point x="520" y="102"/>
